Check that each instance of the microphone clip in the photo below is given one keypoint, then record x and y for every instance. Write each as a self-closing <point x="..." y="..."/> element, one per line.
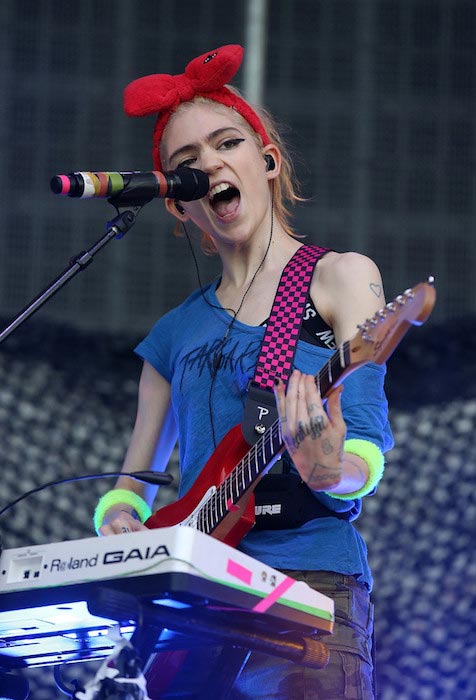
<point x="125" y="219"/>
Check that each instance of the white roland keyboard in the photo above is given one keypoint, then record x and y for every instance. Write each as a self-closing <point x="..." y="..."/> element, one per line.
<point x="50" y="611"/>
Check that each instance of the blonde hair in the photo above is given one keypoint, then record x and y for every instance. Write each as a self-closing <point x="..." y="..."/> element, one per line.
<point x="286" y="186"/>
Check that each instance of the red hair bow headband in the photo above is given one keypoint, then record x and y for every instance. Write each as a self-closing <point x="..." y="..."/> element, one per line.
<point x="206" y="76"/>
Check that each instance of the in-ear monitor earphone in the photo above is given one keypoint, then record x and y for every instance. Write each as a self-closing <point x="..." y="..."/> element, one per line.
<point x="270" y="164"/>
<point x="179" y="207"/>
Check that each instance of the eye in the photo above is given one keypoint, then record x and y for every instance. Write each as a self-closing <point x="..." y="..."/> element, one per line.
<point x="230" y="143"/>
<point x="187" y="163"/>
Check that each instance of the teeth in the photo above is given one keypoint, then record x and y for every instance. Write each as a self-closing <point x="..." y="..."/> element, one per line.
<point x="219" y="188"/>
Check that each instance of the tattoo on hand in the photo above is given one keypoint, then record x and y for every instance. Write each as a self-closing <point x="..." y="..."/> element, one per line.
<point x="357" y="468"/>
<point x="317" y="426"/>
<point x="321" y="481"/>
<point x="341" y="449"/>
<point x="314" y="430"/>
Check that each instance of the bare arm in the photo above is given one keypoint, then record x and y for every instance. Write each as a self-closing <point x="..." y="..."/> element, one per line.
<point x="355" y="286"/>
<point x="154" y="433"/>
<point x="347" y="289"/>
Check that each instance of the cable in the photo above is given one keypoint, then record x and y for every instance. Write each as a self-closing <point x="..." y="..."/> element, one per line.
<point x="158" y="478"/>
<point x="218" y="354"/>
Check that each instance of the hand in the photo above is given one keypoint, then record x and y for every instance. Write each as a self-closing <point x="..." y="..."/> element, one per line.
<point x="118" y="522"/>
<point x="314" y="438"/>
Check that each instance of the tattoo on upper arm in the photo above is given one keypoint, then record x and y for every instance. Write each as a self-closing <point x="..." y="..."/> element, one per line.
<point x="376" y="289"/>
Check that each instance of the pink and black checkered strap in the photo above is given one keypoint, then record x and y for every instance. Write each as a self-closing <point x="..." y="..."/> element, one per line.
<point x="284" y="324"/>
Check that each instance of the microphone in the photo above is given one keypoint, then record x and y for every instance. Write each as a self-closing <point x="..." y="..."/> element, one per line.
<point x="186" y="184"/>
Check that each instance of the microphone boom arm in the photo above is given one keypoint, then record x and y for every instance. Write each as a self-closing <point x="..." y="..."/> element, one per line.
<point x="116" y="228"/>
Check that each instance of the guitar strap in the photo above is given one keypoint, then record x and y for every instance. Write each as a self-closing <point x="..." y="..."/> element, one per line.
<point x="282" y="500"/>
<point x="278" y="347"/>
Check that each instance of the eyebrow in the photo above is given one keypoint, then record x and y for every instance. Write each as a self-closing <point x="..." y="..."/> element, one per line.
<point x="210" y="137"/>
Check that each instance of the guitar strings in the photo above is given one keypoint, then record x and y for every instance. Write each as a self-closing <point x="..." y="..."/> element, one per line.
<point x="217" y="506"/>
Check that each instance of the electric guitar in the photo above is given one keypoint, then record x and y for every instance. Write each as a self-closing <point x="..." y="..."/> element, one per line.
<point x="221" y="501"/>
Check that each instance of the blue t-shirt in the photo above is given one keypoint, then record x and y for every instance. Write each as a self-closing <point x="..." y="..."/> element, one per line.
<point x="181" y="347"/>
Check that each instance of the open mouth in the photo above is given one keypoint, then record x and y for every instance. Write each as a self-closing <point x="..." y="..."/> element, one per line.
<point x="224" y="199"/>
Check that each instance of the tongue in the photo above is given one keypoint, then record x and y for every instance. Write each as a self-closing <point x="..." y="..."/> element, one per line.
<point x="226" y="208"/>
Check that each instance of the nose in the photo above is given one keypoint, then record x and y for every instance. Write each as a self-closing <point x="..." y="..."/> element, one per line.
<point x="210" y="160"/>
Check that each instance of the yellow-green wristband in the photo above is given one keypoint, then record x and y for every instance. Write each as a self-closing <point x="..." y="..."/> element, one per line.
<point x="371" y="454"/>
<point x="116" y="496"/>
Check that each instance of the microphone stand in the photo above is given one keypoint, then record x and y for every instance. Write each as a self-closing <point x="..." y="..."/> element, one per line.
<point x="116" y="228"/>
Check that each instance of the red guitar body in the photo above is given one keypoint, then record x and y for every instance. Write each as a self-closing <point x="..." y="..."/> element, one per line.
<point x="240" y="517"/>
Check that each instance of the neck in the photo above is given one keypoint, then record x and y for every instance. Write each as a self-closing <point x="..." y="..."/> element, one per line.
<point x="247" y="291"/>
<point x="240" y="263"/>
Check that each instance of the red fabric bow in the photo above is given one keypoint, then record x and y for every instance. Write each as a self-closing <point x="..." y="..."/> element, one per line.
<point x="205" y="75"/>
<point x="157" y="93"/>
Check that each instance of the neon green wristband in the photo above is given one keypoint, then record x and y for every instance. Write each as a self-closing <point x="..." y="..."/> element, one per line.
<point x="116" y="496"/>
<point x="375" y="460"/>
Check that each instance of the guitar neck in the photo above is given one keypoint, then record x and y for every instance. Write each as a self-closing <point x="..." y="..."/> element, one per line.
<point x="334" y="370"/>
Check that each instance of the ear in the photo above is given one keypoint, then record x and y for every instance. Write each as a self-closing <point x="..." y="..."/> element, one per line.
<point x="272" y="150"/>
<point x="176" y="209"/>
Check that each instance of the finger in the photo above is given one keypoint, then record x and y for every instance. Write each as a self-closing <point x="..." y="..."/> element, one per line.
<point x="334" y="409"/>
<point x="316" y="411"/>
<point x="121" y="524"/>
<point x="292" y="397"/>
<point x="105" y="530"/>
<point x="313" y="397"/>
<point x="116" y="528"/>
<point x="302" y="403"/>
<point x="128" y="524"/>
<point x="280" y="396"/>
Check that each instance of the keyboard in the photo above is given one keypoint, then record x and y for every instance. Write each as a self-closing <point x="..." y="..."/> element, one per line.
<point x="60" y="601"/>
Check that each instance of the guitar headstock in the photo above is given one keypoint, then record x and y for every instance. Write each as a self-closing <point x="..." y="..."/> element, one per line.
<point x="379" y="336"/>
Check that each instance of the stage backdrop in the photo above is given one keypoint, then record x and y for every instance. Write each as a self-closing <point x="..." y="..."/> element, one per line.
<point x="376" y="99"/>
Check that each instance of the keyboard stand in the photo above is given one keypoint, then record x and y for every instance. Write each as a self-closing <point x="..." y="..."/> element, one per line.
<point x="234" y="631"/>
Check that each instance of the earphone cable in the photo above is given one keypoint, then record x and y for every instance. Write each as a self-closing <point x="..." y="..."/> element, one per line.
<point x="218" y="353"/>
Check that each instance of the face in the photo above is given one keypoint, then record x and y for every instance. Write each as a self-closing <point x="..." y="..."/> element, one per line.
<point x="215" y="140"/>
